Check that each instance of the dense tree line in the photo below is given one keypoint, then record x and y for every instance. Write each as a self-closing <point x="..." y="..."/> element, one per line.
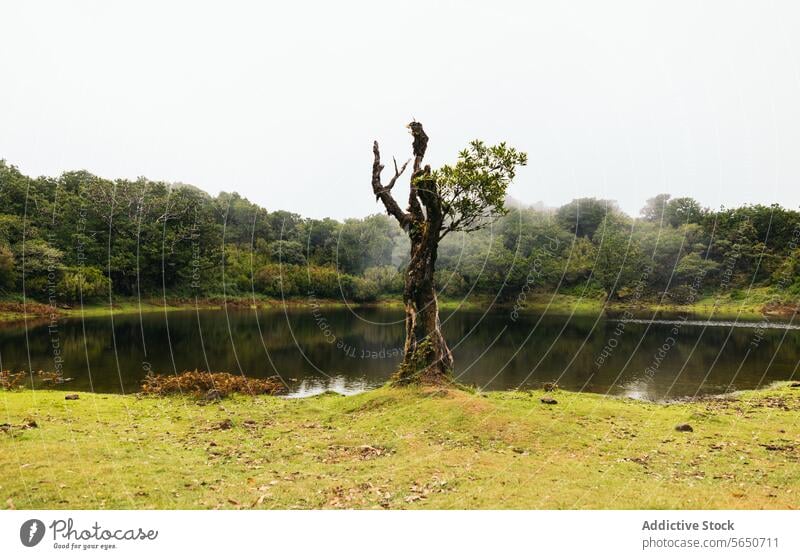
<point x="81" y="236"/>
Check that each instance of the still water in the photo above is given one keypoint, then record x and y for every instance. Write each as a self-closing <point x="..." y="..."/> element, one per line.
<point x="349" y="350"/>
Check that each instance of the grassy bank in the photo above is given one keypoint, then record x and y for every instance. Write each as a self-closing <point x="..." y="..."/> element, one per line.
<point x="752" y="305"/>
<point x="399" y="448"/>
<point x="13" y="311"/>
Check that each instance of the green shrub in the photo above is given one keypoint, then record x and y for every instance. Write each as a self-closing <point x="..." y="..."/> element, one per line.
<point x="6" y="268"/>
<point x="86" y="283"/>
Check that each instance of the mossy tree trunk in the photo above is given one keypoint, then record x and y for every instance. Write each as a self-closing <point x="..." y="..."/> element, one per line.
<point x="427" y="359"/>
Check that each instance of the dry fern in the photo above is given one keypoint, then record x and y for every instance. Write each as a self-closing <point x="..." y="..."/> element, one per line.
<point x="202" y="382"/>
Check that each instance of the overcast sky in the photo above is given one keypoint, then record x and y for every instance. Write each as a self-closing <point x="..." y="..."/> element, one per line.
<point x="281" y="103"/>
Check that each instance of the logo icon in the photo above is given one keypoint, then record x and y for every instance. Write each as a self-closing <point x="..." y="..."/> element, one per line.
<point x="31" y="532"/>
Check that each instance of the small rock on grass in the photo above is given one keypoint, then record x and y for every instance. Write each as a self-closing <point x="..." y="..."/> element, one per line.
<point x="550" y="401"/>
<point x="71" y="397"/>
<point x="684" y="428"/>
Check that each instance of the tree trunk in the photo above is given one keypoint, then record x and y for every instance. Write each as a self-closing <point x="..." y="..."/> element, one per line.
<point x="427" y="359"/>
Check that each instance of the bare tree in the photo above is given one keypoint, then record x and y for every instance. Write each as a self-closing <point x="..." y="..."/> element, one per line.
<point x="465" y="196"/>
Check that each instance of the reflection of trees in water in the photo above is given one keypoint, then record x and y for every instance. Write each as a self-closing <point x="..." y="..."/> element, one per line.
<point x="556" y="349"/>
<point x="691" y="369"/>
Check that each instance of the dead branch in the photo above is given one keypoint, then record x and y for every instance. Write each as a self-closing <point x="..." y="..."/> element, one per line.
<point x="383" y="193"/>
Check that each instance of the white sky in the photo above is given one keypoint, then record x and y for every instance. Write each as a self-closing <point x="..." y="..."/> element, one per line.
<point x="281" y="103"/>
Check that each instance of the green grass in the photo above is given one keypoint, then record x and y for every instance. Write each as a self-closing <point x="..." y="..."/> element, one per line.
<point x="12" y="311"/>
<point x="400" y="448"/>
<point x="742" y="303"/>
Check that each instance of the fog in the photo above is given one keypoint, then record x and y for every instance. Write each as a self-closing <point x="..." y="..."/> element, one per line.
<point x="619" y="100"/>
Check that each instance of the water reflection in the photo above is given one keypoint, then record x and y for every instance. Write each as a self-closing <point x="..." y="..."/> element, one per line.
<point x="333" y="349"/>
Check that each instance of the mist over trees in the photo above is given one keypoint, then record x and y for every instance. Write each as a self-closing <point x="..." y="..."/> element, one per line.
<point x="80" y="236"/>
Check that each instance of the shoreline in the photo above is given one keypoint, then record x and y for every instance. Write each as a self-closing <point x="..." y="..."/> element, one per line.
<point x="15" y="311"/>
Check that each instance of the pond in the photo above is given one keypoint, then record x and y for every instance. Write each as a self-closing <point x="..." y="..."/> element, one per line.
<point x="349" y="350"/>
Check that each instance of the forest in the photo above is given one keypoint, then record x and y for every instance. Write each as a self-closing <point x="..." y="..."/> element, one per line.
<point x="80" y="237"/>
